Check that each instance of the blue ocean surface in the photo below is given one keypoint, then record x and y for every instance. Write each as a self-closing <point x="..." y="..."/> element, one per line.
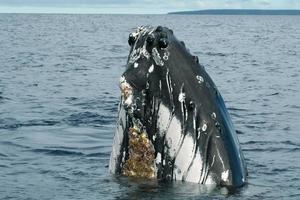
<point x="59" y="95"/>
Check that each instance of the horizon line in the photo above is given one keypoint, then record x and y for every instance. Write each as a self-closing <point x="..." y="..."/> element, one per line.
<point x="89" y="10"/>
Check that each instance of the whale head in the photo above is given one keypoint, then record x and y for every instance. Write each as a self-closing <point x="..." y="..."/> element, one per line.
<point x="173" y="123"/>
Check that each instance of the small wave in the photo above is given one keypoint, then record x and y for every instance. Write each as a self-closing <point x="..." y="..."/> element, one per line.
<point x="89" y="118"/>
<point x="273" y="94"/>
<point x="257" y="165"/>
<point x="100" y="154"/>
<point x="80" y="173"/>
<point x="280" y="170"/>
<point x="108" y="103"/>
<point x="239" y="132"/>
<point x="13" y="144"/>
<point x="217" y="54"/>
<point x="212" y="25"/>
<point x="3" y="155"/>
<point x="237" y="109"/>
<point x="63" y="152"/>
<point x="272" y="149"/>
<point x="12" y="123"/>
<point x="292" y="106"/>
<point x="57" y="152"/>
<point x="3" y="99"/>
<point x="287" y="142"/>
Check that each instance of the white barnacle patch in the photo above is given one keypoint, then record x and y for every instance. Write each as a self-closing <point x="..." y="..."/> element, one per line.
<point x="134" y="56"/>
<point x="126" y="92"/>
<point x="181" y="97"/>
<point x="151" y="69"/>
<point x="154" y="137"/>
<point x="135" y="65"/>
<point x="137" y="52"/>
<point x="158" y="158"/>
<point x="225" y="175"/>
<point x="213" y="115"/>
<point x="141" y="30"/>
<point x="122" y="79"/>
<point x="166" y="55"/>
<point x="128" y="101"/>
<point x="199" y="79"/>
<point x="144" y="52"/>
<point x="204" y="127"/>
<point x="156" y="57"/>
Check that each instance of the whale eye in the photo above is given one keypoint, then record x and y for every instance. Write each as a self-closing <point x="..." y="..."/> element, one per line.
<point x="150" y="39"/>
<point x="131" y="39"/>
<point x="163" y="43"/>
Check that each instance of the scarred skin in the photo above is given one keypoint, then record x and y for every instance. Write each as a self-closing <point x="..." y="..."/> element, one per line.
<point x="173" y="123"/>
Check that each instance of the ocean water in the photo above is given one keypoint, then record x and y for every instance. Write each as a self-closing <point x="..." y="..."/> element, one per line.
<point x="59" y="94"/>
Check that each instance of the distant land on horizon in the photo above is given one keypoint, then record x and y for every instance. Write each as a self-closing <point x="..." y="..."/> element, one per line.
<point x="238" y="12"/>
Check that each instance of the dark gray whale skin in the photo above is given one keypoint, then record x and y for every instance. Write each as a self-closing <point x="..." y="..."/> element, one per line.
<point x="179" y="106"/>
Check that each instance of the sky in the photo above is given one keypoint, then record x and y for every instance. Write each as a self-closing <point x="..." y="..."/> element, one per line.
<point x="137" y="6"/>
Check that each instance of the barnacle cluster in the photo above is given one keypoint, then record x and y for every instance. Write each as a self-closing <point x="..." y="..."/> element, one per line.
<point x="141" y="161"/>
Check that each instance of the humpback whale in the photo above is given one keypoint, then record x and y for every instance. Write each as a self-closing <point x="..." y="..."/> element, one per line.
<point x="172" y="121"/>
